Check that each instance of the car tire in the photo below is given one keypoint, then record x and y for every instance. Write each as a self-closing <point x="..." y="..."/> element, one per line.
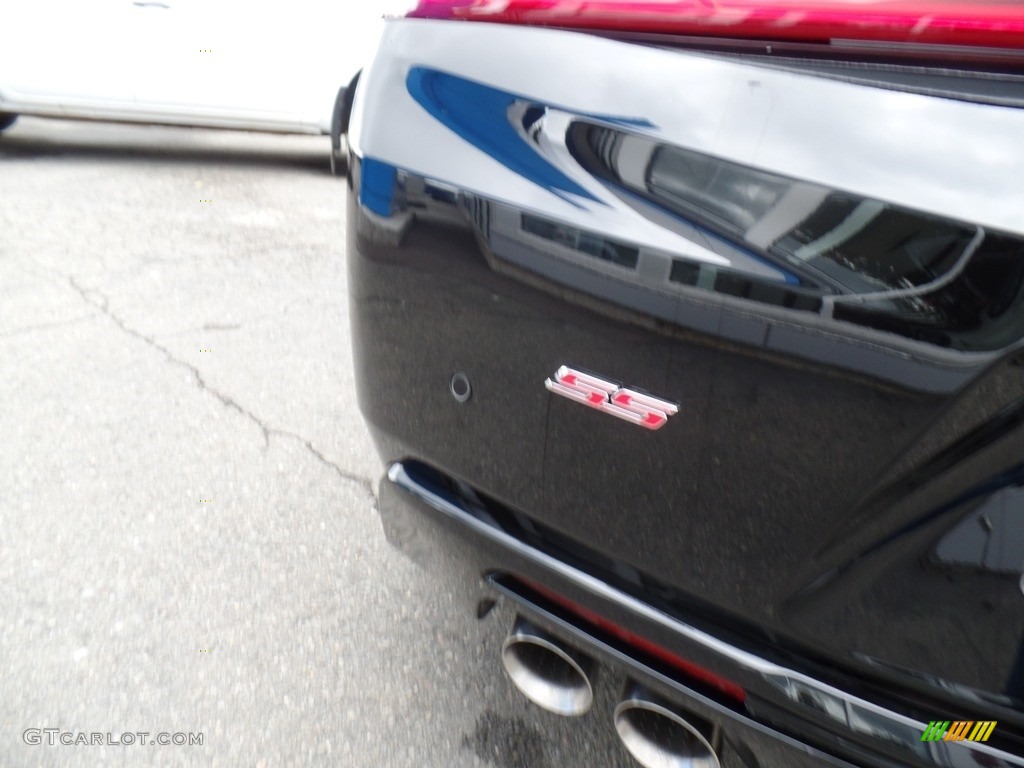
<point x="339" y="127"/>
<point x="7" y="120"/>
<point x="339" y="158"/>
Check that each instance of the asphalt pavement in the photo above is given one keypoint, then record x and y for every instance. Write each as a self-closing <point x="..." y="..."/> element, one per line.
<point x="189" y="542"/>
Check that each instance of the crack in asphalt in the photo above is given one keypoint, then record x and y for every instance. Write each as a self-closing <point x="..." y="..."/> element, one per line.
<point x="104" y="306"/>
<point x="98" y="299"/>
<point x="364" y="484"/>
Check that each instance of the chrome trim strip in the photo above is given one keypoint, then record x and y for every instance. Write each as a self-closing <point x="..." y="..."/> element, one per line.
<point x="795" y="684"/>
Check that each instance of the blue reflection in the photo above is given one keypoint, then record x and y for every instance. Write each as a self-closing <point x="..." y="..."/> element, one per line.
<point x="480" y="114"/>
<point x="377" y="189"/>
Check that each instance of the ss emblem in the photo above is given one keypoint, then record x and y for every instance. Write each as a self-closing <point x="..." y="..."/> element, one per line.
<point x="607" y="397"/>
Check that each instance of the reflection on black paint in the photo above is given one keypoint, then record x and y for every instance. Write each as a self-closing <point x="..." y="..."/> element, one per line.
<point x="731" y="196"/>
<point x="978" y="311"/>
<point x="991" y="537"/>
<point x="854" y="259"/>
<point x="867" y="246"/>
<point x="740" y="285"/>
<point x="586" y="243"/>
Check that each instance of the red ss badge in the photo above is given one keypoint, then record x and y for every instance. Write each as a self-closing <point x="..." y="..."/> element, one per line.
<point x="604" y="396"/>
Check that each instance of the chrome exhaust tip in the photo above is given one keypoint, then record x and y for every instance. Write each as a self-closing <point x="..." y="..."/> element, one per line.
<point x="658" y="736"/>
<point x="549" y="673"/>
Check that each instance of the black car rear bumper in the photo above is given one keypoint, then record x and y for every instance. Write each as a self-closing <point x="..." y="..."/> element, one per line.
<point x="822" y="287"/>
<point x="785" y="717"/>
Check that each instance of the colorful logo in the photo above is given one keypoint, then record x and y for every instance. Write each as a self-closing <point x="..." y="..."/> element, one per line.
<point x="606" y="396"/>
<point x="958" y="730"/>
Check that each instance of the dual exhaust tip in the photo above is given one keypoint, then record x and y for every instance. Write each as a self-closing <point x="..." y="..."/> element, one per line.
<point x="558" y="678"/>
<point x="549" y="673"/>
<point x="658" y="736"/>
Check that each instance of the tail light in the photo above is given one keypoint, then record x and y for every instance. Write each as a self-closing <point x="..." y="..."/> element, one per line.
<point x="933" y="22"/>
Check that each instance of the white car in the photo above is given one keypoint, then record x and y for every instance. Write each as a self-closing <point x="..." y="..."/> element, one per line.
<point x="281" y="67"/>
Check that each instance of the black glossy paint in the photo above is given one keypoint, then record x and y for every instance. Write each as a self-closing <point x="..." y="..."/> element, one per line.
<point x="843" y="480"/>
